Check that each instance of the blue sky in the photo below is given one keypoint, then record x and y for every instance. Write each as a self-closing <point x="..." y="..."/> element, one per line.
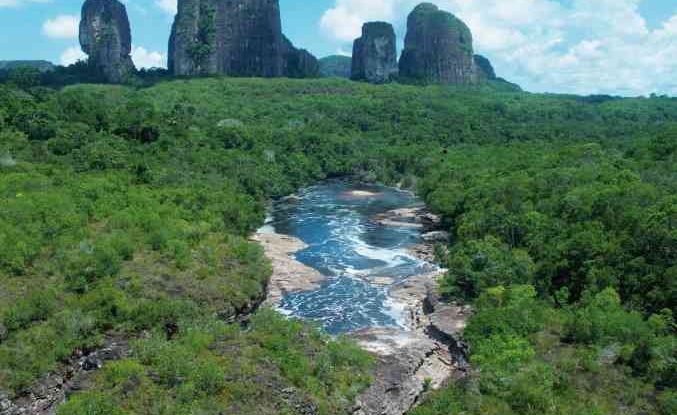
<point x="624" y="47"/>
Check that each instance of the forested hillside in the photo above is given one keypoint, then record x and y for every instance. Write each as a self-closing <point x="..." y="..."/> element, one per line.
<point x="125" y="214"/>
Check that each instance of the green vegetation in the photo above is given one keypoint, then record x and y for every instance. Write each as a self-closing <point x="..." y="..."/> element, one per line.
<point x="125" y="212"/>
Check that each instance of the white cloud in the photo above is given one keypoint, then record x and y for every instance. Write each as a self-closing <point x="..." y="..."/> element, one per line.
<point x="146" y="59"/>
<point x="587" y="46"/>
<point x="344" y="21"/>
<point x="168" y="6"/>
<point x="72" y="55"/>
<point x="63" y="26"/>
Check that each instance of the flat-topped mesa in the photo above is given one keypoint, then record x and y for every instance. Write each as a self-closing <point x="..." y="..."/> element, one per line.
<point x="375" y="54"/>
<point x="438" y="48"/>
<point x="106" y="38"/>
<point x="235" y="38"/>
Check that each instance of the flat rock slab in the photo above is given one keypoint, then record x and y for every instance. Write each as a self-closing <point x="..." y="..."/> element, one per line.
<point x="289" y="275"/>
<point x="406" y="362"/>
<point x="450" y="320"/>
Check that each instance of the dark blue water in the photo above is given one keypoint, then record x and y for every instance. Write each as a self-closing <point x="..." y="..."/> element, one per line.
<point x="361" y="258"/>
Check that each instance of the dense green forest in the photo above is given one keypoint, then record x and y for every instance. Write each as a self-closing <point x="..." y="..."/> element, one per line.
<point x="125" y="212"/>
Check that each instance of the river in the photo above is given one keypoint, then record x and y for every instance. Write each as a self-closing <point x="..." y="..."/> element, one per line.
<point x="360" y="258"/>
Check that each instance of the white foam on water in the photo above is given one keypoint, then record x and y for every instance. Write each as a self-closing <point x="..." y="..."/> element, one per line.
<point x="345" y="253"/>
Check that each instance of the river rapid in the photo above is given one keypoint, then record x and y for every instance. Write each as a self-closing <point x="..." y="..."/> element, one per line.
<point x="360" y="258"/>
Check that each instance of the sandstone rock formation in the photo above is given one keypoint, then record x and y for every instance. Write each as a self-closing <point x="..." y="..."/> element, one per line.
<point x="336" y="66"/>
<point x="375" y="54"/>
<point x="484" y="68"/>
<point x="438" y="48"/>
<point x="106" y="37"/>
<point x="236" y="38"/>
<point x="298" y="63"/>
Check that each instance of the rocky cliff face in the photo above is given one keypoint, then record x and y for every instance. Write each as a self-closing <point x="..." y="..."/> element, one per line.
<point x="375" y="54"/>
<point x="236" y="38"/>
<point x="438" y="48"/>
<point x="106" y="37"/>
<point x="298" y="63"/>
<point x="484" y="68"/>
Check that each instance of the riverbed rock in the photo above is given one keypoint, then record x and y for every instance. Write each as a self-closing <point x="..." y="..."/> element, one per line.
<point x="375" y="54"/>
<point x="234" y="38"/>
<point x="289" y="275"/>
<point x="438" y="48"/>
<point x="413" y="217"/>
<point x="436" y="237"/>
<point x="105" y="36"/>
<point x="408" y="362"/>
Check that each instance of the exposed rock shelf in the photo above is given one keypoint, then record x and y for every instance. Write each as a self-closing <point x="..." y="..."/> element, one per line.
<point x="47" y="394"/>
<point x="289" y="275"/>
<point x="423" y="354"/>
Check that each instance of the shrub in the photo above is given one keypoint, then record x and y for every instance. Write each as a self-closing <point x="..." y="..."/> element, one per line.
<point x="90" y="403"/>
<point x="36" y="306"/>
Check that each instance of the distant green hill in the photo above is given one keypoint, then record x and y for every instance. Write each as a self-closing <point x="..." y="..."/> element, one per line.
<point x="336" y="66"/>
<point x="42" y="66"/>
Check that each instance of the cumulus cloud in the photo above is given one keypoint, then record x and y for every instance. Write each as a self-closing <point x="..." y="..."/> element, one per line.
<point x="585" y="46"/>
<point x="168" y="6"/>
<point x="144" y="58"/>
<point x="344" y="21"/>
<point x="63" y="26"/>
<point x="72" y="55"/>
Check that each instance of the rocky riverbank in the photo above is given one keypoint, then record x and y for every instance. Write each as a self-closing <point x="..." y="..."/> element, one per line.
<point x="289" y="275"/>
<point x="429" y="350"/>
<point x="424" y="354"/>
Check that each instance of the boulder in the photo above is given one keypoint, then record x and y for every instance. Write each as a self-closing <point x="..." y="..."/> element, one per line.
<point x="436" y="237"/>
<point x="234" y="38"/>
<point x="106" y="38"/>
<point x="438" y="48"/>
<point x="375" y="54"/>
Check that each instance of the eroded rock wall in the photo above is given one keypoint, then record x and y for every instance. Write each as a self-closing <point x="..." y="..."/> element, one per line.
<point x="438" y="48"/>
<point x="234" y="38"/>
<point x="105" y="36"/>
<point x="375" y="54"/>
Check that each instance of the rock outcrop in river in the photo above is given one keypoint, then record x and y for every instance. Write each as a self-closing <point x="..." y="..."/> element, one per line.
<point x="235" y="38"/>
<point x="106" y="37"/>
<point x="438" y="48"/>
<point x="375" y="54"/>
